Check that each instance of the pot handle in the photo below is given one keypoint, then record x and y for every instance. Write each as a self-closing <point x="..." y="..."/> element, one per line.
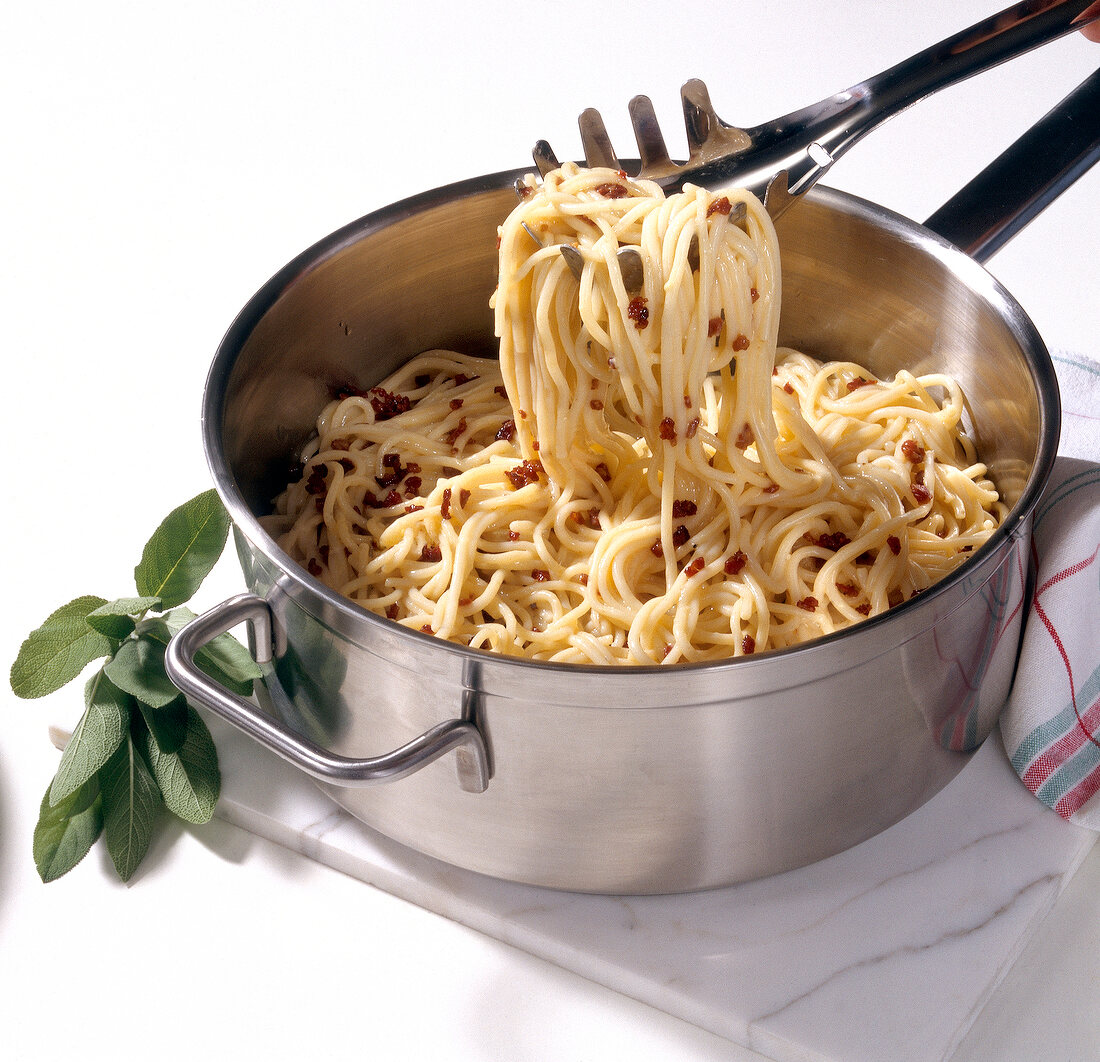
<point x="1030" y="174"/>
<point x="459" y="735"/>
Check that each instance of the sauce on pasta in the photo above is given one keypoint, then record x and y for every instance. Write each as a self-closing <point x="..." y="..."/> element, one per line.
<point x="644" y="476"/>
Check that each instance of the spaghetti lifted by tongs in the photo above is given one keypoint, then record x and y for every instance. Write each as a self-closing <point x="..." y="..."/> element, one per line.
<point x="643" y="477"/>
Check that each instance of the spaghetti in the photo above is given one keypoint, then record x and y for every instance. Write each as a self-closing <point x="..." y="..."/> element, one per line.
<point x="642" y="477"/>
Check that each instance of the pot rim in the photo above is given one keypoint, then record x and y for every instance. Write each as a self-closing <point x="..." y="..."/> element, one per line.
<point x="866" y="633"/>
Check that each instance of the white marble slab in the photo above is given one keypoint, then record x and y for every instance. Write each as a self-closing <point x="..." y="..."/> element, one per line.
<point x="889" y="950"/>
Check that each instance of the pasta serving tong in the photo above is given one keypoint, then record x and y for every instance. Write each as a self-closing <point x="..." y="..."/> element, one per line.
<point x="781" y="159"/>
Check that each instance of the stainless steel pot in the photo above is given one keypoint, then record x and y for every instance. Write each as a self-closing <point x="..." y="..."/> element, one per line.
<point x="632" y="780"/>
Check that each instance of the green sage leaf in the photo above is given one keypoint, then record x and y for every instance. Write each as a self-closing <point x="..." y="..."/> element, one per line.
<point x="189" y="779"/>
<point x="138" y="668"/>
<point x="183" y="550"/>
<point x="97" y="736"/>
<point x="59" y="650"/>
<point x="131" y="803"/>
<point x="66" y="831"/>
<point x="167" y="724"/>
<point x="116" y="618"/>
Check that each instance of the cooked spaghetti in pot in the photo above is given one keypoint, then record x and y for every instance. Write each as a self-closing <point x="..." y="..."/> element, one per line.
<point x="643" y="477"/>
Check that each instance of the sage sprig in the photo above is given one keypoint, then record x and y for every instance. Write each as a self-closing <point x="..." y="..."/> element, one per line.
<point x="139" y="748"/>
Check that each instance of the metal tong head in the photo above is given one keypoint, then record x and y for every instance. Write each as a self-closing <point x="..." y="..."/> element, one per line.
<point x="714" y="147"/>
<point x="779" y="160"/>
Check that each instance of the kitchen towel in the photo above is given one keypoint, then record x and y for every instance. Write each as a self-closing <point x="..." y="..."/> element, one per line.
<point x="1051" y="723"/>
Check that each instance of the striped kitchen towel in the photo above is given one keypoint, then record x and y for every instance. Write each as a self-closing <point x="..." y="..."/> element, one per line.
<point x="1051" y="723"/>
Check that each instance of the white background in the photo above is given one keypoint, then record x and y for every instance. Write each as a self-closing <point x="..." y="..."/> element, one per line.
<point x="159" y="162"/>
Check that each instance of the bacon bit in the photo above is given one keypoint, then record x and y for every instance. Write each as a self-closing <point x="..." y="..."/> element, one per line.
<point x="445" y="504"/>
<point x="315" y="484"/>
<point x="412" y="485"/>
<point x="463" y="498"/>
<point x="583" y="578"/>
<point x="666" y="651"/>
<point x="595" y="403"/>
<point x="921" y="494"/>
<point x="603" y="471"/>
<point x="667" y="430"/>
<point x="523" y="414"/>
<point x="719" y="206"/>
<point x="913" y="451"/>
<point x="465" y="602"/>
<point x="525" y="472"/>
<point x="412" y="467"/>
<point x="431" y="554"/>
<point x="594" y="383"/>
<point x="680" y="536"/>
<point x="451" y="437"/>
<point x="456" y="403"/>
<point x="622" y="173"/>
<point x="788" y="388"/>
<point x="695" y="567"/>
<point x="857" y="383"/>
<point x="524" y="190"/>
<point x="392" y="472"/>
<point x="714" y="326"/>
<point x="682" y="507"/>
<point x="540" y="575"/>
<point x="864" y="609"/>
<point x="535" y="445"/>
<point x="808" y="604"/>
<point x="612" y="190"/>
<point x="414" y="508"/>
<point x="657" y="549"/>
<point x="462" y="378"/>
<point x="740" y="341"/>
<point x="590" y="519"/>
<point x="771" y="488"/>
<point x="692" y="428"/>
<point x="391" y="611"/>
<point x="513" y="535"/>
<point x="387" y="404"/>
<point x="427" y="629"/>
<point x="748" y="645"/>
<point x="847" y="589"/>
<point x="507" y="430"/>
<point x="501" y="390"/>
<point x="391" y="498"/>
<point x="638" y="312"/>
<point x="754" y="294"/>
<point x="833" y="540"/>
<point x="735" y="563"/>
<point x="745" y="437"/>
<point x="314" y="567"/>
<point x="423" y="379"/>
<point x="895" y="544"/>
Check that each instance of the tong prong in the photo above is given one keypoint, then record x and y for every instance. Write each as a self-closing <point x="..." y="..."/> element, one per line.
<point x="647" y="133"/>
<point x="700" y="118"/>
<point x="595" y="141"/>
<point x="545" y="159"/>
